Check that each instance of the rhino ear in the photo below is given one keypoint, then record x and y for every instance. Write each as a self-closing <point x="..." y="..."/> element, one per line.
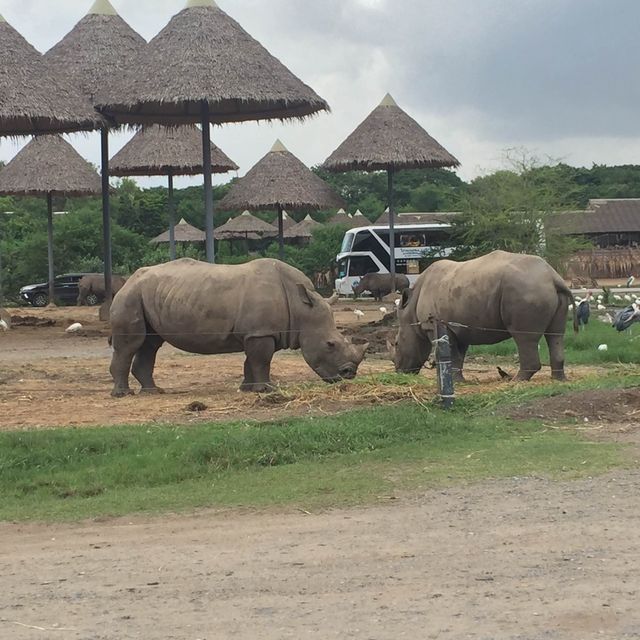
<point x="305" y="295"/>
<point x="406" y="296"/>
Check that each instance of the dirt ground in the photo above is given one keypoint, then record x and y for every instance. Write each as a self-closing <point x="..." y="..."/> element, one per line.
<point x="521" y="558"/>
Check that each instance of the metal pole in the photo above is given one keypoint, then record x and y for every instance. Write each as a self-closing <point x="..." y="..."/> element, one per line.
<point x="106" y="219"/>
<point x="208" y="187"/>
<point x="172" y="220"/>
<point x="50" y="246"/>
<point x="392" y="228"/>
<point x="281" y="232"/>
<point x="1" y="291"/>
<point x="444" y="367"/>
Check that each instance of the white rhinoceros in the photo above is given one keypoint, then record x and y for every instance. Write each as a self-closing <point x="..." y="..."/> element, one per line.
<point x="259" y="308"/>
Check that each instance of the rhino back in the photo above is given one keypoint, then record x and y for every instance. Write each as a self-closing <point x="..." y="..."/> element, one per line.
<point x="206" y="308"/>
<point x="478" y="292"/>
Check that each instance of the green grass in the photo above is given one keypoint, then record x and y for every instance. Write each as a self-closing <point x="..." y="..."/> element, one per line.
<point x="352" y="458"/>
<point x="582" y="348"/>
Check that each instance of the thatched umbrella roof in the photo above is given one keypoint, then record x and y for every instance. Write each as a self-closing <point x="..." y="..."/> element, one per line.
<point x="98" y="49"/>
<point x="204" y="56"/>
<point x="279" y="179"/>
<point x="49" y="165"/>
<point x="341" y="217"/>
<point x="287" y="221"/>
<point x="303" y="229"/>
<point x="33" y="99"/>
<point x="243" y="226"/>
<point x="184" y="233"/>
<point x="157" y="150"/>
<point x="389" y="138"/>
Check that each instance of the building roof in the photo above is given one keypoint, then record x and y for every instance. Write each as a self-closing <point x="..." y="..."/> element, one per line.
<point x="601" y="216"/>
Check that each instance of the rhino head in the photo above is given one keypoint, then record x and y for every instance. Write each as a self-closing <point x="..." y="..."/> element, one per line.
<point x="412" y="346"/>
<point x="324" y="349"/>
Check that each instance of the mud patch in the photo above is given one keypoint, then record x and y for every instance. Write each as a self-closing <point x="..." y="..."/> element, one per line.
<point x="32" y="321"/>
<point x="598" y="406"/>
<point x="375" y="333"/>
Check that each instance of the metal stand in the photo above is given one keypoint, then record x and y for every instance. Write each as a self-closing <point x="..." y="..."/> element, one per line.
<point x="392" y="228"/>
<point x="50" y="248"/>
<point x="444" y="367"/>
<point x="281" y="233"/>
<point x="106" y="220"/>
<point x="208" y="187"/>
<point x="172" y="220"/>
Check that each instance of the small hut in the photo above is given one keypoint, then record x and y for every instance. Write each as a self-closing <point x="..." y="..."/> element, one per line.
<point x="184" y="233"/>
<point x="49" y="166"/>
<point x="245" y="227"/>
<point x="277" y="181"/>
<point x="168" y="151"/>
<point x="303" y="231"/>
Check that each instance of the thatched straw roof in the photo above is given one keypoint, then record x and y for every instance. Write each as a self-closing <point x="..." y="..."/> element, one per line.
<point x="184" y="233"/>
<point x="389" y="138"/>
<point x="280" y="179"/>
<point x="203" y="55"/>
<point x="33" y="99"/>
<point x="49" y="164"/>
<point x="99" y="48"/>
<point x="157" y="150"/>
<point x="303" y="229"/>
<point x="436" y="217"/>
<point x="287" y="221"/>
<point x="243" y="226"/>
<point x="344" y="219"/>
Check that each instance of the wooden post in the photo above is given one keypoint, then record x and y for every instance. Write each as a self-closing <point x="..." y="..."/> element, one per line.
<point x="106" y="220"/>
<point x="208" y="187"/>
<point x="392" y="228"/>
<point x="172" y="220"/>
<point x="444" y="367"/>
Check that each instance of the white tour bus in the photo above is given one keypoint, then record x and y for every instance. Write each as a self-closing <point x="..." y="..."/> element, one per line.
<point x="366" y="249"/>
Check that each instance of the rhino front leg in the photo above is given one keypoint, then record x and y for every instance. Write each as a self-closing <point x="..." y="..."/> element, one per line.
<point x="144" y="363"/>
<point x="257" y="366"/>
<point x="125" y="345"/>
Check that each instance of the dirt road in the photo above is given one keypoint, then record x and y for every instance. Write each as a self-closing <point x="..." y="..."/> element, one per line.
<point x="524" y="559"/>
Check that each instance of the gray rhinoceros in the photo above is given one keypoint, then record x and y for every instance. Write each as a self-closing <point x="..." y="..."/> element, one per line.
<point x="484" y="301"/>
<point x="91" y="288"/>
<point x="259" y="308"/>
<point x="379" y="285"/>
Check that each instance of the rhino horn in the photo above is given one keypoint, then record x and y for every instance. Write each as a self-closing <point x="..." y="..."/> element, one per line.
<point x="333" y="299"/>
<point x="362" y="348"/>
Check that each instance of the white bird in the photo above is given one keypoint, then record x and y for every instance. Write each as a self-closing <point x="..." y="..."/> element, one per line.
<point x="383" y="311"/>
<point x="617" y="297"/>
<point x="397" y="302"/>
<point x="570" y="307"/>
<point x="607" y="318"/>
<point x="74" y="328"/>
<point x="601" y="307"/>
<point x="603" y="347"/>
<point x="359" y="313"/>
<point x="627" y="297"/>
<point x="4" y="326"/>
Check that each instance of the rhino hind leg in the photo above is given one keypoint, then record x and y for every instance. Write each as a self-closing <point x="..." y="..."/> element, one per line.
<point x="529" y="357"/>
<point x="144" y="363"/>
<point x="555" y="341"/>
<point x="257" y="366"/>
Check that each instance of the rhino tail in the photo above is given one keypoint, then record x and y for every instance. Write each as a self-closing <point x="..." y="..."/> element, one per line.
<point x="563" y="289"/>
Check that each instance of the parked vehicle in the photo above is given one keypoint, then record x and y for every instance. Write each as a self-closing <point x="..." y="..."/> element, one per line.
<point x="65" y="288"/>
<point x="366" y="250"/>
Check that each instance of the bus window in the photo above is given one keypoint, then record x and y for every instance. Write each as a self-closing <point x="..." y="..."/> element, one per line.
<point x="361" y="265"/>
<point x="347" y="243"/>
<point x="365" y="241"/>
<point x="343" y="268"/>
<point x="413" y="239"/>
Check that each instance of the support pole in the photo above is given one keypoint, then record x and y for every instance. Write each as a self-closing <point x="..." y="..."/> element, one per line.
<point x="106" y="222"/>
<point x="208" y="187"/>
<point x="392" y="228"/>
<point x="172" y="220"/>
<point x="444" y="367"/>
<point x="1" y="291"/>
<point x="281" y="232"/>
<point x="50" y="247"/>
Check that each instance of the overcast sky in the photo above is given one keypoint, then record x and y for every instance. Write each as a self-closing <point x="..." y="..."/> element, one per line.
<point x="558" y="77"/>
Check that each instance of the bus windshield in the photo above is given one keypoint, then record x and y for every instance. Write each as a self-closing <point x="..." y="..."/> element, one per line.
<point x="347" y="243"/>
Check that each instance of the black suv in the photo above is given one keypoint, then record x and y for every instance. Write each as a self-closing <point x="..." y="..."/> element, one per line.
<point x="65" y="288"/>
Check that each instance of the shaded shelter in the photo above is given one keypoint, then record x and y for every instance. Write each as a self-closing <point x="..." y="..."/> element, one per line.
<point x="303" y="230"/>
<point x="277" y="181"/>
<point x="342" y="218"/>
<point x="203" y="67"/>
<point x="183" y="233"/>
<point x="287" y="221"/>
<point x="49" y="166"/>
<point x="245" y="226"/>
<point x="389" y="140"/>
<point x="95" y="51"/>
<point x="33" y="99"/>
<point x="168" y="151"/>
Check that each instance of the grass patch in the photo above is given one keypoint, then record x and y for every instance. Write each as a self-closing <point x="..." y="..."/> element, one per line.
<point x="350" y="458"/>
<point x="582" y="348"/>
